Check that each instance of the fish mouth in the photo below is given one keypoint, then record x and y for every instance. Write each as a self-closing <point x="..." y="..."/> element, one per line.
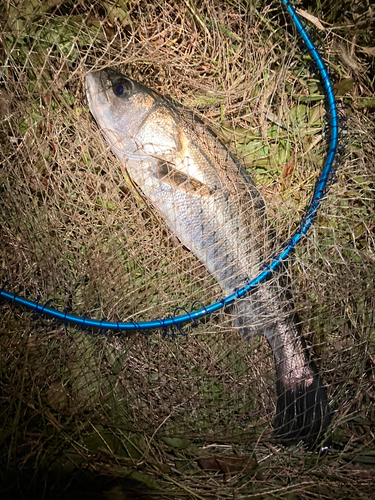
<point x="98" y="100"/>
<point x="96" y="92"/>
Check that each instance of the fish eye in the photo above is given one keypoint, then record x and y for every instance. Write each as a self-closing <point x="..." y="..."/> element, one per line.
<point x="123" y="88"/>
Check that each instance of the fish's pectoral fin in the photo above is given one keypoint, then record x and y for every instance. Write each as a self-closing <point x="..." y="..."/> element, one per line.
<point x="302" y="413"/>
<point x="168" y="173"/>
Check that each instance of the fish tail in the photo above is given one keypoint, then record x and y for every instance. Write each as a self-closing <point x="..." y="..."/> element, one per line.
<point x="302" y="410"/>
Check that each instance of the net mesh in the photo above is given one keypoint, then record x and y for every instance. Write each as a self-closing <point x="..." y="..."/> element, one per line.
<point x="141" y="414"/>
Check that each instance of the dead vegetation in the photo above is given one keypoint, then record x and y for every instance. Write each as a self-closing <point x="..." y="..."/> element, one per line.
<point x="191" y="416"/>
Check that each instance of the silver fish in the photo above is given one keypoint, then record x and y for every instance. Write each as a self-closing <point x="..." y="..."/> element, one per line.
<point x="211" y="204"/>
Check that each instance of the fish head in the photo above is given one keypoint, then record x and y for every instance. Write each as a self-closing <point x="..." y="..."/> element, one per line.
<point x="120" y="106"/>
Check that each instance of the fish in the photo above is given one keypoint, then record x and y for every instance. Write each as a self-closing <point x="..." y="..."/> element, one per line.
<point x="211" y="204"/>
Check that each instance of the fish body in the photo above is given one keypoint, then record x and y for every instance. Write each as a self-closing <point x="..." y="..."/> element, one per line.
<point x="210" y="203"/>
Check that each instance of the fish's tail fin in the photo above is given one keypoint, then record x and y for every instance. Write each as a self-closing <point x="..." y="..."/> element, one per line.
<point x="302" y="411"/>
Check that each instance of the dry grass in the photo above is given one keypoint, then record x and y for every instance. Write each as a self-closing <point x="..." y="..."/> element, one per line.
<point x="131" y="418"/>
